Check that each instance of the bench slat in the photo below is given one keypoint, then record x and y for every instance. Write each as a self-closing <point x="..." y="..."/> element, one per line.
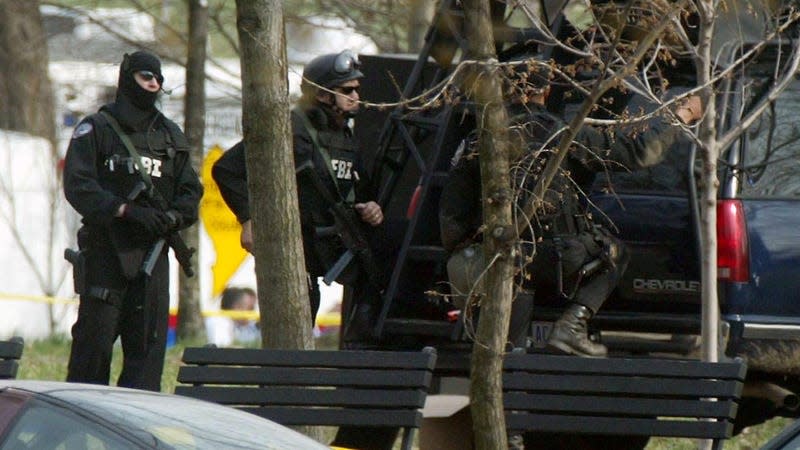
<point x="356" y="398"/>
<point x="591" y="383"/>
<point x="621" y="396"/>
<point x="623" y="426"/>
<point x="616" y="405"/>
<point x="304" y="376"/>
<point x="339" y="417"/>
<point x="307" y="387"/>
<point x="625" y="366"/>
<point x="315" y="358"/>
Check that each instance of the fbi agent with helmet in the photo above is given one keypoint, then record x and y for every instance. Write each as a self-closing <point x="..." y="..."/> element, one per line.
<point x="330" y="176"/>
<point x="127" y="172"/>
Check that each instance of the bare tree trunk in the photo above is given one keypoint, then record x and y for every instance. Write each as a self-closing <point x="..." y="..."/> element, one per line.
<point x="190" y="319"/>
<point x="708" y="190"/>
<point x="708" y="194"/>
<point x="484" y="85"/>
<point x="26" y="89"/>
<point x="280" y="268"/>
<point x="28" y="105"/>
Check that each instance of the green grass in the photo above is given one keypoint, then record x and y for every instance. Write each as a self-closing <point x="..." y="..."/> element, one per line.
<point x="751" y="438"/>
<point x="47" y="360"/>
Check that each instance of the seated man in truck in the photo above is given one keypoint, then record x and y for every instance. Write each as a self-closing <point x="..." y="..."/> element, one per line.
<point x="573" y="258"/>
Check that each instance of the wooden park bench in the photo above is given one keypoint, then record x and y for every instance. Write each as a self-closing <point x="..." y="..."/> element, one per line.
<point x="10" y="353"/>
<point x="307" y="387"/>
<point x="621" y="396"/>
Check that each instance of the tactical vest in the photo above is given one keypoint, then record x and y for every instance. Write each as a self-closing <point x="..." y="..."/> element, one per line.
<point x="336" y="152"/>
<point x="339" y="154"/>
<point x="158" y="147"/>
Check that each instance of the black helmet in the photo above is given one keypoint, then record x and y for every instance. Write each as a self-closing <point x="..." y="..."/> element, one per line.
<point x="330" y="71"/>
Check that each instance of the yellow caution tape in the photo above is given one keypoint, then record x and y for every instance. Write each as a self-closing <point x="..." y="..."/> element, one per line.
<point x="39" y="299"/>
<point x="331" y="319"/>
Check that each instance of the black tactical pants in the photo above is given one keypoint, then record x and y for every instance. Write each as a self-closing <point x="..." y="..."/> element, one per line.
<point x="555" y="268"/>
<point x="136" y="311"/>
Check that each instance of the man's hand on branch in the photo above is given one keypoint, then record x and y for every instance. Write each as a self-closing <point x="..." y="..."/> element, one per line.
<point x="691" y="110"/>
<point x="370" y="212"/>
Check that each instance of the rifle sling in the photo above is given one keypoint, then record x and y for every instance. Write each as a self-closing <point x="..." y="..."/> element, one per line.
<point x="126" y="141"/>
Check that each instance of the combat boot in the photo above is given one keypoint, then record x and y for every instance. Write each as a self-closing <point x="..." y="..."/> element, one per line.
<point x="570" y="334"/>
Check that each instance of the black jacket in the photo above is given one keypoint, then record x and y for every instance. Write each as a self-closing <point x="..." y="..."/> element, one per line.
<point x="230" y="174"/>
<point x="594" y="150"/>
<point x="99" y="173"/>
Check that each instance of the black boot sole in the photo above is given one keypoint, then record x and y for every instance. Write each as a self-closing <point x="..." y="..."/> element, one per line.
<point x="564" y="348"/>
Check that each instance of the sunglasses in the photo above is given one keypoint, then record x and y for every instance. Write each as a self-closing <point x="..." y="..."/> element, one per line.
<point x="346" y="62"/>
<point x="347" y="90"/>
<point x="147" y="75"/>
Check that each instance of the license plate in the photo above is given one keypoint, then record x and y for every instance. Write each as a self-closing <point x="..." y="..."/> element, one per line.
<point x="540" y="331"/>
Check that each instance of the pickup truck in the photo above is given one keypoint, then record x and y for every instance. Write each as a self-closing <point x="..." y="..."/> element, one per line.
<point x="655" y="309"/>
<point x="655" y="212"/>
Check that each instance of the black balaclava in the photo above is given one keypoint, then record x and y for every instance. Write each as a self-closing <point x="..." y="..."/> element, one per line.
<point x="127" y="85"/>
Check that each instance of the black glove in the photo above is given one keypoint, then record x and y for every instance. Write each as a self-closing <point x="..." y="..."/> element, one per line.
<point x="175" y="219"/>
<point x="154" y="221"/>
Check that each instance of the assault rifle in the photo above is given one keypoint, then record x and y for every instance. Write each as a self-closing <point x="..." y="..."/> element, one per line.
<point x="182" y="253"/>
<point x="348" y="228"/>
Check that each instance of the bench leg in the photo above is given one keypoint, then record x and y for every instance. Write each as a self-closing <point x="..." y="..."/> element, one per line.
<point x="408" y="438"/>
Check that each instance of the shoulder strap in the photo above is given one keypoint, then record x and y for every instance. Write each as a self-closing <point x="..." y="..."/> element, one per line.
<point x="326" y="157"/>
<point x="126" y="141"/>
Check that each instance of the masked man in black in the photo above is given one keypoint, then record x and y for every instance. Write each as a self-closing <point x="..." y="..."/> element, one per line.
<point x="117" y="190"/>
<point x="569" y="240"/>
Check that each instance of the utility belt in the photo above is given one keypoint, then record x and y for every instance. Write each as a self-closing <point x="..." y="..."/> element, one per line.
<point x="110" y="296"/>
<point x="564" y="224"/>
<point x="79" y="277"/>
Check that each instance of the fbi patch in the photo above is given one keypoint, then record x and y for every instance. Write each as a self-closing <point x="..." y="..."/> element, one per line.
<point x="82" y="129"/>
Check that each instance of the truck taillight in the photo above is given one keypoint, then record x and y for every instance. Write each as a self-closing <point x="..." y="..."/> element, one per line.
<point x="413" y="203"/>
<point x="733" y="262"/>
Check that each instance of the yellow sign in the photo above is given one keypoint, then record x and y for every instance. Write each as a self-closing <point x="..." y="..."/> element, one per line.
<point x="221" y="225"/>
